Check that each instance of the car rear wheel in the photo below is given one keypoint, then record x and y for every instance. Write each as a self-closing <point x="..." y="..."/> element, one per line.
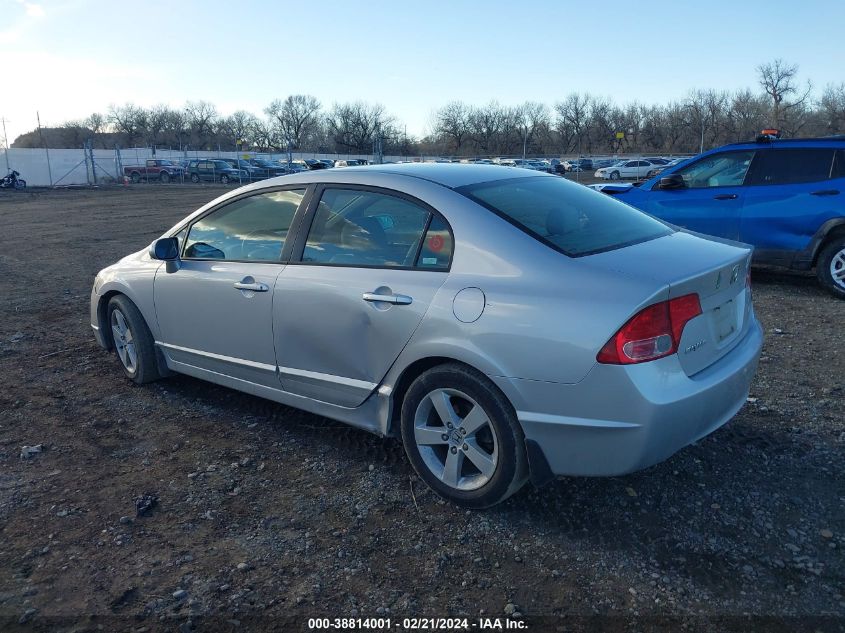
<point x="136" y="177"/>
<point x="133" y="342"/>
<point x="614" y="175"/>
<point x="195" y="177"/>
<point x="164" y="177"/>
<point x="462" y="437"/>
<point x="830" y="268"/>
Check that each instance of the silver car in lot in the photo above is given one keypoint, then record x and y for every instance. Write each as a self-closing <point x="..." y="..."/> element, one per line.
<point x="507" y="325"/>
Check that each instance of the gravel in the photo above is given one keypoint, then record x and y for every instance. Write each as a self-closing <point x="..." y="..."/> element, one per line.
<point x="318" y="519"/>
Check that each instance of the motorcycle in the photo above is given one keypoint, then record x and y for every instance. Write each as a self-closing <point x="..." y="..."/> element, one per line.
<point x="11" y="181"/>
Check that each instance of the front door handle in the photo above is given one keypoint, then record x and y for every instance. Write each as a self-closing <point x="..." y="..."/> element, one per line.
<point x="255" y="287"/>
<point x="825" y="192"/>
<point x="402" y="300"/>
<point x="725" y="196"/>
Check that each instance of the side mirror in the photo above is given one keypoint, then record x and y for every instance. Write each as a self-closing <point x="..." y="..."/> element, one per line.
<point x="672" y="181"/>
<point x="167" y="250"/>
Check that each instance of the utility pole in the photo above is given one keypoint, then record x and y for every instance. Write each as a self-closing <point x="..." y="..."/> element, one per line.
<point x="5" y="144"/>
<point x="46" y="151"/>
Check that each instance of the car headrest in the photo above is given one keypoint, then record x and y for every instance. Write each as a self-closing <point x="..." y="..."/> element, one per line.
<point x="561" y="221"/>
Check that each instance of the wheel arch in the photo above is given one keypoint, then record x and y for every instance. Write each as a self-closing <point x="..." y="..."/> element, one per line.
<point x="831" y="230"/>
<point x="415" y="369"/>
<point x="105" y="329"/>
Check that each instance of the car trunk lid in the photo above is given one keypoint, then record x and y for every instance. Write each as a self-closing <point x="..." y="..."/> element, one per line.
<point x="713" y="269"/>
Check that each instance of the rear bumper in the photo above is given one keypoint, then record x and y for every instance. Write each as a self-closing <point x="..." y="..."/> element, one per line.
<point x="622" y="419"/>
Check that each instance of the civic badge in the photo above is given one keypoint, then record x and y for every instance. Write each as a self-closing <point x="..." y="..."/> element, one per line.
<point x="735" y="273"/>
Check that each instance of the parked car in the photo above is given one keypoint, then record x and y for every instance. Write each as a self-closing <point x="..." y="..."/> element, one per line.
<point x="253" y="171"/>
<point x="379" y="301"/>
<point x="269" y="169"/>
<point x="313" y="163"/>
<point x="215" y="170"/>
<point x="785" y="197"/>
<point x="604" y="162"/>
<point x="578" y="164"/>
<point x="660" y="168"/>
<point x="154" y="169"/>
<point x="636" y="169"/>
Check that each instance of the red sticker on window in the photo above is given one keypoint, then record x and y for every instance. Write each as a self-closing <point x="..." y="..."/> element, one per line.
<point x="436" y="243"/>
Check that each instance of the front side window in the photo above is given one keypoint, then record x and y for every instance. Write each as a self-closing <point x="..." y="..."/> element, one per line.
<point x="364" y="228"/>
<point x="791" y="166"/>
<point x="726" y="169"/>
<point x="250" y="229"/>
<point x="568" y="217"/>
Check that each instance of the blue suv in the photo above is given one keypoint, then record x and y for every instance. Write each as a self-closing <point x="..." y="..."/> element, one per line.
<point x="785" y="197"/>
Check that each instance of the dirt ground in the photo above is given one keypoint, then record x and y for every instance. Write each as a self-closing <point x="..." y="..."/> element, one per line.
<point x="268" y="515"/>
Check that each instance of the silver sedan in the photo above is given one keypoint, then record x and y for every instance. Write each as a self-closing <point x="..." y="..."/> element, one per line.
<point x="508" y="325"/>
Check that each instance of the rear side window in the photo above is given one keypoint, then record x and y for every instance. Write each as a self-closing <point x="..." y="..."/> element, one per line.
<point x="791" y="166"/>
<point x="250" y="229"/>
<point x="568" y="217"/>
<point x="838" y="170"/>
<point x="353" y="227"/>
<point x="436" y="251"/>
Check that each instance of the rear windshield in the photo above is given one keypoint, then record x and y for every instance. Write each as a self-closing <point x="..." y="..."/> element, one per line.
<point x="569" y="217"/>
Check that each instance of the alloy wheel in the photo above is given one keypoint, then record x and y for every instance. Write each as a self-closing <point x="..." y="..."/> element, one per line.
<point x="455" y="439"/>
<point x="124" y="341"/>
<point x="837" y="269"/>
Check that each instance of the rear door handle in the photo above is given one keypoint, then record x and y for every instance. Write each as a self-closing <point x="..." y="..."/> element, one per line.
<point x="402" y="300"/>
<point x="255" y="287"/>
<point x="726" y="196"/>
<point x="825" y="192"/>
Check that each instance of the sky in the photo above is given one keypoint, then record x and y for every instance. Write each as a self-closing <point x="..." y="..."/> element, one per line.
<point x="68" y="58"/>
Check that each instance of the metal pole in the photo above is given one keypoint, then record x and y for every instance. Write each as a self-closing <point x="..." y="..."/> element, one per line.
<point x="46" y="151"/>
<point x="5" y="144"/>
<point x="93" y="164"/>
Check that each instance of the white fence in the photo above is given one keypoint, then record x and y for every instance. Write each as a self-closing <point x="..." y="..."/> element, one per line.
<point x="61" y="167"/>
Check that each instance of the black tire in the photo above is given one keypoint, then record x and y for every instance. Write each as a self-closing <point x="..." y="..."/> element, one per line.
<point x="164" y="177"/>
<point x="511" y="469"/>
<point x="135" y="176"/>
<point x="614" y="175"/>
<point x="145" y="367"/>
<point x="832" y="258"/>
<point x="195" y="177"/>
<point x="224" y="179"/>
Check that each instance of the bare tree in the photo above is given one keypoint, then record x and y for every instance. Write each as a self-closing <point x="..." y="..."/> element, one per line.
<point x="238" y="129"/>
<point x="294" y="119"/>
<point x="354" y="126"/>
<point x="532" y="120"/>
<point x="832" y="109"/>
<point x="778" y="79"/>
<point x="201" y="117"/>
<point x="453" y="121"/>
<point x="573" y="120"/>
<point x="130" y="121"/>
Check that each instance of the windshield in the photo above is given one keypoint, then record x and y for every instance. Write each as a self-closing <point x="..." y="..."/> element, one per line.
<point x="569" y="217"/>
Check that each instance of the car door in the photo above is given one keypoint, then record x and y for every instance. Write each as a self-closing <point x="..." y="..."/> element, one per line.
<point x="215" y="311"/>
<point x="791" y="192"/>
<point x="366" y="273"/>
<point x="712" y="198"/>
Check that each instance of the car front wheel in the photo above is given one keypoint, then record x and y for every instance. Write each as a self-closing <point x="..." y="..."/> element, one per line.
<point x="830" y="267"/>
<point x="132" y="340"/>
<point x="614" y="175"/>
<point x="462" y="437"/>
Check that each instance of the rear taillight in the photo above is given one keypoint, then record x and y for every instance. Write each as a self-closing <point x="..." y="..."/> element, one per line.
<point x="654" y="332"/>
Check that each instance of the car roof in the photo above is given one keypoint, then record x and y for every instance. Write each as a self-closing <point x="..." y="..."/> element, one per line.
<point x="823" y="141"/>
<point x="453" y="175"/>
